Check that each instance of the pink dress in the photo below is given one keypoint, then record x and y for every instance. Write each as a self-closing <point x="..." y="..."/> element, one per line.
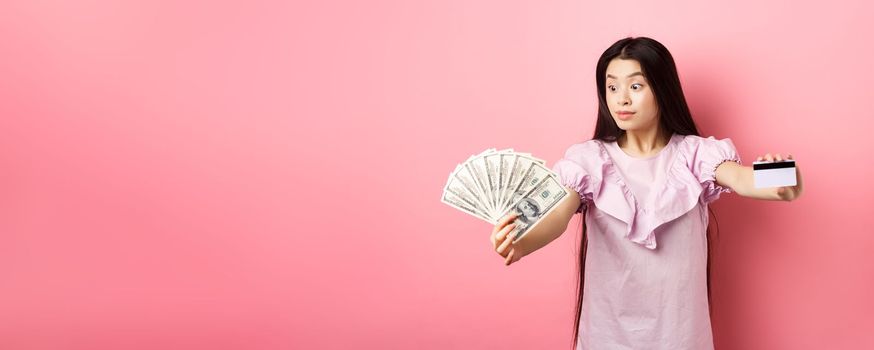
<point x="646" y="264"/>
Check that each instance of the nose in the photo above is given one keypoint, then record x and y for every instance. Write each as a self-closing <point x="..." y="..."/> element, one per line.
<point x="624" y="99"/>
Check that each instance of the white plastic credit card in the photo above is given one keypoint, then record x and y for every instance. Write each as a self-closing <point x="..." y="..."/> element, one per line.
<point x="774" y="174"/>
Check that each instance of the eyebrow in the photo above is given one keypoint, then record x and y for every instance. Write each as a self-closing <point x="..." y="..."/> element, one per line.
<point x="629" y="76"/>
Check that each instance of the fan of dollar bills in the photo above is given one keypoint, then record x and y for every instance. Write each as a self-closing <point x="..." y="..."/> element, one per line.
<point x="495" y="183"/>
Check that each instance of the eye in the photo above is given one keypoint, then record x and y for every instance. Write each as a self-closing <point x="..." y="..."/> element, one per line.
<point x="610" y="87"/>
<point x="637" y="85"/>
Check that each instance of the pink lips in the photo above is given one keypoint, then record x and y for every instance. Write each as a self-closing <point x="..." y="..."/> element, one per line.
<point x="624" y="115"/>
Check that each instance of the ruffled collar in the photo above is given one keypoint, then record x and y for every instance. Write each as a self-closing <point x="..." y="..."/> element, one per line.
<point x="675" y="195"/>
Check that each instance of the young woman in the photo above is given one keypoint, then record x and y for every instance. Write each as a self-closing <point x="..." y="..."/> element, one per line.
<point x="643" y="184"/>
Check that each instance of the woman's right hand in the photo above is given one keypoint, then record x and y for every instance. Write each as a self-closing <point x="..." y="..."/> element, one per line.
<point x="500" y="240"/>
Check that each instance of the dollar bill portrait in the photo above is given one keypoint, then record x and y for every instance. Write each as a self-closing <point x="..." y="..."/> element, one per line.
<point x="529" y="212"/>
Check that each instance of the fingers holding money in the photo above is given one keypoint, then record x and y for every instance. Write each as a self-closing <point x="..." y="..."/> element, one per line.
<point x="500" y="238"/>
<point x="505" y="238"/>
<point x="500" y="226"/>
<point x="504" y="221"/>
<point x="510" y="257"/>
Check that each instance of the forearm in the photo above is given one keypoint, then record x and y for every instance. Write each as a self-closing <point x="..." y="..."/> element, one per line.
<point x="550" y="226"/>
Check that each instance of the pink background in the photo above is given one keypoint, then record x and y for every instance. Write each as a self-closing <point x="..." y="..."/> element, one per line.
<point x="258" y="175"/>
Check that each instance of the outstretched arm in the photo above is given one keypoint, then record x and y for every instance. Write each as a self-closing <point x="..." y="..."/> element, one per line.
<point x="548" y="229"/>
<point x="740" y="179"/>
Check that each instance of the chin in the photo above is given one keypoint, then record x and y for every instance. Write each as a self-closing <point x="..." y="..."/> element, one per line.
<point x="622" y="124"/>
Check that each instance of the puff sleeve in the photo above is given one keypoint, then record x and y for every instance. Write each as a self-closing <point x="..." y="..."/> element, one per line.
<point x="708" y="155"/>
<point x="572" y="172"/>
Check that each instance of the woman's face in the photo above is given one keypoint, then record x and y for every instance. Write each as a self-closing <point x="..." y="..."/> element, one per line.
<point x="627" y="90"/>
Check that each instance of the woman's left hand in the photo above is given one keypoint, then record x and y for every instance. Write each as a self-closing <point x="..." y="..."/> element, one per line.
<point x="786" y="193"/>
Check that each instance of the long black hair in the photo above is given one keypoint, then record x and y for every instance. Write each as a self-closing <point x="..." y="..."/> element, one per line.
<point x="657" y="65"/>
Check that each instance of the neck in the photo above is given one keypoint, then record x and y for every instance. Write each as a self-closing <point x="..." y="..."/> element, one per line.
<point x="644" y="142"/>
